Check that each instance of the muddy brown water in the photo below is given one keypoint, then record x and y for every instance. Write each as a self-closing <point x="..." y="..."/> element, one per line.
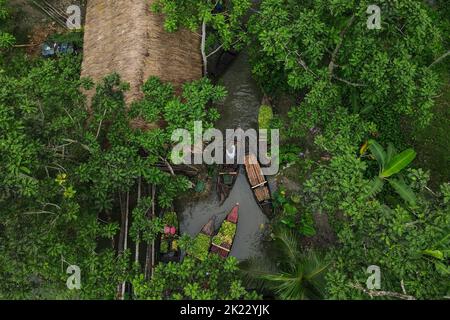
<point x="239" y="109"/>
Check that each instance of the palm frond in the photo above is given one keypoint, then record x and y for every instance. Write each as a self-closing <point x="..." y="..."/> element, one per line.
<point x="288" y="244"/>
<point x="296" y="275"/>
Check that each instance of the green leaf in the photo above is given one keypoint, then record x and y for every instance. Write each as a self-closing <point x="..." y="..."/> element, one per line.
<point x="403" y="190"/>
<point x="378" y="152"/>
<point x="390" y="152"/>
<point x="442" y="268"/>
<point x="367" y="110"/>
<point x="398" y="163"/>
<point x="434" y="253"/>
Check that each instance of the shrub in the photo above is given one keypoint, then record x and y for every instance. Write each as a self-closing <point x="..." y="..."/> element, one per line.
<point x="265" y="117"/>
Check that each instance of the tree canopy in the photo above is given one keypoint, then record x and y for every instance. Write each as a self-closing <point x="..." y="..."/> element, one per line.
<point x="326" y="50"/>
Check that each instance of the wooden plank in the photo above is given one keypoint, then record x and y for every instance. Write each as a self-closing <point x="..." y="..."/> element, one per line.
<point x="259" y="185"/>
<point x="254" y="171"/>
<point x="220" y="247"/>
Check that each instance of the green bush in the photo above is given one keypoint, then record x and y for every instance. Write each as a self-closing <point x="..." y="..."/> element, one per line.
<point x="75" y="37"/>
<point x="265" y="117"/>
<point x="164" y="247"/>
<point x="170" y="219"/>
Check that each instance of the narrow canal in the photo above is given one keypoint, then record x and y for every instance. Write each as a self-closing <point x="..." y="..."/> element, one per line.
<point x="240" y="109"/>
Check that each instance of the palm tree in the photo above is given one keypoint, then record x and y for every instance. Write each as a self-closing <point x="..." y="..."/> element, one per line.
<point x="290" y="274"/>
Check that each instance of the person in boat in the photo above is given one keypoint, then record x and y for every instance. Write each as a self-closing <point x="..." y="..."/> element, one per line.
<point x="231" y="153"/>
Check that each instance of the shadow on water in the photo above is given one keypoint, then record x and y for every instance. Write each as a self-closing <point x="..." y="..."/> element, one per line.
<point x="251" y="219"/>
<point x="239" y="109"/>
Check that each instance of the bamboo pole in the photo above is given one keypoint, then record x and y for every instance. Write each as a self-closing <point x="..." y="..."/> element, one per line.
<point x="150" y="246"/>
<point x="50" y="14"/>
<point x="24" y="45"/>
<point x="153" y="242"/>
<point x="119" y="295"/>
<point x="122" y="226"/>
<point x="125" y="246"/>
<point x="136" y="253"/>
<point x="56" y="11"/>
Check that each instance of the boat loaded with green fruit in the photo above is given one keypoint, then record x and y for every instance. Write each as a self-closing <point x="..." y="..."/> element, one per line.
<point x="222" y="242"/>
<point x="202" y="242"/>
<point x="169" y="247"/>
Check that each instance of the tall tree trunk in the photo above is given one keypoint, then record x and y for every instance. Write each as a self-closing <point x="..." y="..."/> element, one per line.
<point x="123" y="239"/>
<point x="125" y="246"/>
<point x="136" y="253"/>
<point x="150" y="254"/>
<point x="122" y="226"/>
<point x="120" y="244"/>
<point x="203" y="50"/>
<point x="153" y="242"/>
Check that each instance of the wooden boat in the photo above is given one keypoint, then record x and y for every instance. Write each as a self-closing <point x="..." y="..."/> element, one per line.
<point x="222" y="242"/>
<point x="226" y="179"/>
<point x="202" y="242"/>
<point x="168" y="247"/>
<point x="258" y="183"/>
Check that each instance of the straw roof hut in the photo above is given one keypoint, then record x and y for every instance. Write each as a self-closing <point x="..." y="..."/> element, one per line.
<point x="124" y="36"/>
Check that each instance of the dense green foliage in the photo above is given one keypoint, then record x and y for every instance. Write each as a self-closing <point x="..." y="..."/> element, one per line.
<point x="6" y="38"/>
<point x="291" y="213"/>
<point x="211" y="279"/>
<point x="383" y="231"/>
<point x="327" y="50"/>
<point x="85" y="182"/>
<point x="356" y="86"/>
<point x="224" y="17"/>
<point x="67" y="174"/>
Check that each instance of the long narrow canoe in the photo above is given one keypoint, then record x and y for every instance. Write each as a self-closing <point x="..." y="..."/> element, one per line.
<point x="225" y="180"/>
<point x="258" y="183"/>
<point x="222" y="242"/>
<point x="202" y="241"/>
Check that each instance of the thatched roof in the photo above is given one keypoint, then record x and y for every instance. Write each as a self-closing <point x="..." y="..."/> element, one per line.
<point x="123" y="36"/>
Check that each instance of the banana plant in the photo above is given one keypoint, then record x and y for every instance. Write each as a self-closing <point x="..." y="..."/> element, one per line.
<point x="439" y="254"/>
<point x="390" y="165"/>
